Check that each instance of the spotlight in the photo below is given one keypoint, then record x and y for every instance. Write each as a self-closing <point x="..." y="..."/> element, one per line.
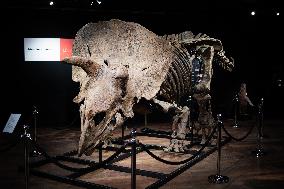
<point x="92" y="3"/>
<point x="51" y="3"/>
<point x="252" y="13"/>
<point x="277" y="13"/>
<point x="99" y="2"/>
<point x="279" y="83"/>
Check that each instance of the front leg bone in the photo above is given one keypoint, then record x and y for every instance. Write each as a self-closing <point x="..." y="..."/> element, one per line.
<point x="179" y="125"/>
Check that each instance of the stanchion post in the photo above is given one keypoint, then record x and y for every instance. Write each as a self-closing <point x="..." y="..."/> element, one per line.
<point x="190" y="122"/>
<point x="261" y="119"/>
<point x="133" y="158"/>
<point x="236" y="101"/>
<point x="218" y="178"/>
<point x="259" y="149"/>
<point x="35" y="114"/>
<point x="27" y="138"/>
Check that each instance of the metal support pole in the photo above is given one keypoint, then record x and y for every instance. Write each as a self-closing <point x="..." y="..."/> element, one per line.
<point x="261" y="119"/>
<point x="27" y="138"/>
<point x="133" y="158"/>
<point x="101" y="153"/>
<point x="259" y="149"/>
<point x="218" y="178"/>
<point x="190" y="121"/>
<point x="145" y="119"/>
<point x="26" y="164"/>
<point x="35" y="113"/>
<point x="122" y="132"/>
<point x="236" y="101"/>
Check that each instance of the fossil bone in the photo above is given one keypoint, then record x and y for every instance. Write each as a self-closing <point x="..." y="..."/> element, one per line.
<point x="119" y="63"/>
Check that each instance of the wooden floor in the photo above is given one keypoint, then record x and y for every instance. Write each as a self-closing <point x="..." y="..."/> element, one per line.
<point x="237" y="161"/>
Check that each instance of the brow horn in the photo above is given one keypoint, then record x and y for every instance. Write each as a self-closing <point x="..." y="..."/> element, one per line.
<point x="89" y="66"/>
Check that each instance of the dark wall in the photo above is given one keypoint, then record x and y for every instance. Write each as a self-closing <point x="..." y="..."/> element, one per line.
<point x="254" y="42"/>
<point x="47" y="85"/>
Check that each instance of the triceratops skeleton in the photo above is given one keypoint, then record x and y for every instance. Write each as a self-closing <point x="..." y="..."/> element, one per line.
<point x="119" y="63"/>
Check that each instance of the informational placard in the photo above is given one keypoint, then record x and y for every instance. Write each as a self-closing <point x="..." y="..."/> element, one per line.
<point x="11" y="123"/>
<point x="47" y="49"/>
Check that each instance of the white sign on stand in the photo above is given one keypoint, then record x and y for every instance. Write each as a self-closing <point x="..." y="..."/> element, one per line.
<point x="11" y="123"/>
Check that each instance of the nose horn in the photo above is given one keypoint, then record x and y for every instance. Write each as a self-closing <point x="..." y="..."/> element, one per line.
<point x="88" y="65"/>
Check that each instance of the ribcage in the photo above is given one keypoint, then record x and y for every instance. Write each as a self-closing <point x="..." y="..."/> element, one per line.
<point x="177" y="85"/>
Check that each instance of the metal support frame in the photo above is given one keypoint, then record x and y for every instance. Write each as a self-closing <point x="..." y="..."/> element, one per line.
<point x="195" y="139"/>
<point x="218" y="178"/>
<point x="162" y="178"/>
<point x="68" y="180"/>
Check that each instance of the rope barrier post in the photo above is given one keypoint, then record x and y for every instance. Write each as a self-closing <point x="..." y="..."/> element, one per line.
<point x="259" y="149"/>
<point x="261" y="120"/>
<point x="35" y="113"/>
<point x="27" y="139"/>
<point x="218" y="178"/>
<point x="236" y="101"/>
<point x="190" y="122"/>
<point x="133" y="143"/>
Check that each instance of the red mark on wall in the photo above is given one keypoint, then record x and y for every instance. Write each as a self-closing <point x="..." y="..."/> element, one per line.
<point x="65" y="48"/>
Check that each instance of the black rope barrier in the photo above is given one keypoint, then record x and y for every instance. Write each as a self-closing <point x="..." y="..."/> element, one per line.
<point x="74" y="169"/>
<point x="183" y="161"/>
<point x="241" y="138"/>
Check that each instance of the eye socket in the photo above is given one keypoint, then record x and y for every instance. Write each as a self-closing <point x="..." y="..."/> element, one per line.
<point x="98" y="118"/>
<point x="106" y="62"/>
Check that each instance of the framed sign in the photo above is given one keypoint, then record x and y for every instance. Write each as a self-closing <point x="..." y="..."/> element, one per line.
<point x="47" y="49"/>
<point x="11" y="123"/>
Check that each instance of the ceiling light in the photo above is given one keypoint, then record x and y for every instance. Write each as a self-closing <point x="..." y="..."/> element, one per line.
<point x="252" y="13"/>
<point x="51" y="3"/>
<point x="99" y="2"/>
